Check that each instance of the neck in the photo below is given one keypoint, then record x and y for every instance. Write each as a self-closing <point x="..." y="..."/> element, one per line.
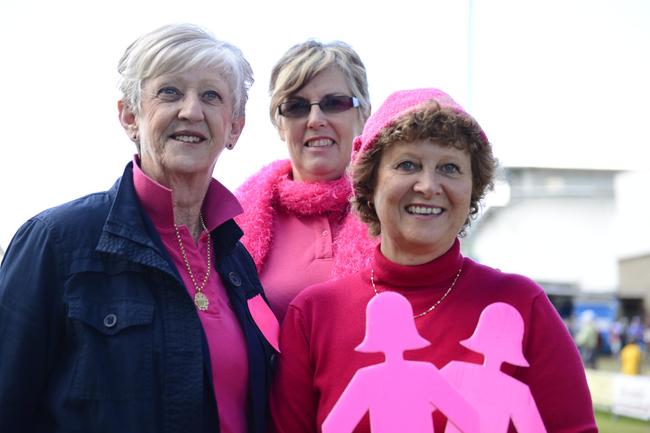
<point x="297" y="176"/>
<point x="187" y="201"/>
<point x="190" y="218"/>
<point x="408" y="257"/>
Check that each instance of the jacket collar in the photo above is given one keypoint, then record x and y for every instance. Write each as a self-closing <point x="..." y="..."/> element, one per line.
<point x="129" y="232"/>
<point x="219" y="204"/>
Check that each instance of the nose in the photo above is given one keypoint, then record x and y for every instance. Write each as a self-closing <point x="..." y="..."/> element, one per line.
<point x="316" y="117"/>
<point x="428" y="184"/>
<point x="191" y="109"/>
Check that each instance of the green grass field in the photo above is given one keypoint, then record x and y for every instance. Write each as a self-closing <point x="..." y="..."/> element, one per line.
<point x="608" y="423"/>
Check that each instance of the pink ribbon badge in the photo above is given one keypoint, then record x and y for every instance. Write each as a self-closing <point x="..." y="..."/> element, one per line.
<point x="265" y="320"/>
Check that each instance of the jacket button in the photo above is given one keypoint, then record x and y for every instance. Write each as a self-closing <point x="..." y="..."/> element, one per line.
<point x="110" y="320"/>
<point x="234" y="279"/>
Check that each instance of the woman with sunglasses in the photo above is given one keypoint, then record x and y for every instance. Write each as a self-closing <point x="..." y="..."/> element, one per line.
<point x="297" y="221"/>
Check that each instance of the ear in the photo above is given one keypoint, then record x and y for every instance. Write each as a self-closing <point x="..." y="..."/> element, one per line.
<point x="129" y="120"/>
<point x="236" y="129"/>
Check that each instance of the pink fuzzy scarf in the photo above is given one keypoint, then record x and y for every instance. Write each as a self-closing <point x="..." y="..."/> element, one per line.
<point x="272" y="189"/>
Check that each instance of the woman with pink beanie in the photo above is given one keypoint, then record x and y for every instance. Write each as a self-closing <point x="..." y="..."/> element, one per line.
<point x="297" y="221"/>
<point x="421" y="167"/>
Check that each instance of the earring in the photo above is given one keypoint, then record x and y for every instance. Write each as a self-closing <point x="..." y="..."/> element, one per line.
<point x="230" y="146"/>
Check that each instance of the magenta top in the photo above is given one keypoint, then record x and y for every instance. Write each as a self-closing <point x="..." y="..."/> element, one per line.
<point x="302" y="255"/>
<point x="225" y="338"/>
<point x="325" y="323"/>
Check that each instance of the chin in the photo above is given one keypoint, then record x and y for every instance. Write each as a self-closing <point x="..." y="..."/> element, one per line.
<point x="190" y="167"/>
<point x="327" y="171"/>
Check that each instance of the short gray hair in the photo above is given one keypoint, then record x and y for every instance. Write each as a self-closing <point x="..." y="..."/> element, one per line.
<point x="302" y="62"/>
<point x="176" y="48"/>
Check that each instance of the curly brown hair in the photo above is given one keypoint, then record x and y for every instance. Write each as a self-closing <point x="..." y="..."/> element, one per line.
<point x="442" y="126"/>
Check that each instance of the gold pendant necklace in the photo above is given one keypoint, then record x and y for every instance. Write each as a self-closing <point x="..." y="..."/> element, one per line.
<point x="431" y="308"/>
<point x="200" y="300"/>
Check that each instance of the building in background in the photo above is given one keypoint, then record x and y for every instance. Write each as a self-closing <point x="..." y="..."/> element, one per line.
<point x="633" y="242"/>
<point x="579" y="233"/>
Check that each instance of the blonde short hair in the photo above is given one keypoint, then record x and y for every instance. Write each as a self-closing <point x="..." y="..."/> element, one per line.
<point x="302" y="62"/>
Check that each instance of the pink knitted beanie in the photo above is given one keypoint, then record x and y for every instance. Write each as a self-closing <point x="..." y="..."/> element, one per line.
<point x="395" y="106"/>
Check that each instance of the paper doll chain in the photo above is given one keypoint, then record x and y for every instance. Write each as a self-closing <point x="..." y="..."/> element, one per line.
<point x="431" y="308"/>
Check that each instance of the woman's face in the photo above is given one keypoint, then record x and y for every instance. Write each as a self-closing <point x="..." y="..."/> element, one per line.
<point x="320" y="144"/>
<point x="422" y="199"/>
<point x="185" y="121"/>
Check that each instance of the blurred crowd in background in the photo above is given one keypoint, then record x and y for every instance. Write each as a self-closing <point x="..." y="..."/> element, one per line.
<point x="625" y="340"/>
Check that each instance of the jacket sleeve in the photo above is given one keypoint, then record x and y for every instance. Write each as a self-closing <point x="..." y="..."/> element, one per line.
<point x="556" y="377"/>
<point x="29" y="283"/>
<point x="293" y="397"/>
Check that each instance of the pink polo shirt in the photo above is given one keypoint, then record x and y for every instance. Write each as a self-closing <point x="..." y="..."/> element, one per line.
<point x="225" y="337"/>
<point x="301" y="255"/>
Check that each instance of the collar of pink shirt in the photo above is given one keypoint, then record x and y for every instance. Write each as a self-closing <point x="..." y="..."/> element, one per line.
<point x="156" y="200"/>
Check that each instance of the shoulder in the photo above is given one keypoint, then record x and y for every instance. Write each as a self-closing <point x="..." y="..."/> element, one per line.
<point x="56" y="234"/>
<point x="256" y="198"/>
<point x="330" y="296"/>
<point x="330" y="313"/>
<point x="75" y="225"/>
<point x="67" y="218"/>
<point x="80" y="215"/>
<point x="494" y="279"/>
<point x="78" y="211"/>
<point x="261" y="183"/>
<point x="354" y="247"/>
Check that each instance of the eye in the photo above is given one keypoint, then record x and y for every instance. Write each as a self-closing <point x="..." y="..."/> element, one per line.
<point x="336" y="103"/>
<point x="169" y="93"/>
<point x="212" y="96"/>
<point x="449" y="168"/>
<point x="295" y="107"/>
<point x="407" y="166"/>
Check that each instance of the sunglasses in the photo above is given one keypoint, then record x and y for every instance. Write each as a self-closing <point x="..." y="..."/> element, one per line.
<point x="300" y="107"/>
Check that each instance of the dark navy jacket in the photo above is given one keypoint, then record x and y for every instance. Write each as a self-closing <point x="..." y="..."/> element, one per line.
<point x="98" y="333"/>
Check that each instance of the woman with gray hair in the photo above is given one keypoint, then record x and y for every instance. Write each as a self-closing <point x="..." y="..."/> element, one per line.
<point x="137" y="309"/>
<point x="297" y="221"/>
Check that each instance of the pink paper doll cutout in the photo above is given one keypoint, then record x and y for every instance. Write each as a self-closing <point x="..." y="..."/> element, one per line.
<point x="497" y="397"/>
<point x="400" y="395"/>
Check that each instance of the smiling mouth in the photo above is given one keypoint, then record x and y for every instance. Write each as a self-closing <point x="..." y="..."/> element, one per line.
<point x="423" y="210"/>
<point x="185" y="138"/>
<point x="322" y="142"/>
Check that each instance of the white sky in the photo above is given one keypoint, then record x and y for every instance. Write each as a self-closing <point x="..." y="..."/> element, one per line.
<point x="562" y="83"/>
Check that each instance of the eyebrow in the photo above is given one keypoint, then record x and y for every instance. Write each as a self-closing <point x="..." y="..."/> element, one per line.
<point x="295" y="96"/>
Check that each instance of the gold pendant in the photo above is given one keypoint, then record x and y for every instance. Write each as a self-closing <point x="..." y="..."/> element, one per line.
<point x="201" y="301"/>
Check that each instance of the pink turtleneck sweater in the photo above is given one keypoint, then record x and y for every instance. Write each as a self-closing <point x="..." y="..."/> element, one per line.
<point x="325" y="323"/>
<point x="224" y="335"/>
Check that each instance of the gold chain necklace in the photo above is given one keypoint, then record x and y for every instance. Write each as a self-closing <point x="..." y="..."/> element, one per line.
<point x="200" y="300"/>
<point x="431" y="308"/>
